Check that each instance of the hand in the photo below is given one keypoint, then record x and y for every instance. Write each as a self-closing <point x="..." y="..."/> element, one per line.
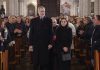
<point x="65" y="49"/>
<point x="30" y="48"/>
<point x="16" y="30"/>
<point x="1" y="38"/>
<point x="19" y="31"/>
<point x="54" y="37"/>
<point x="50" y="46"/>
<point x="81" y="32"/>
<point x="11" y="43"/>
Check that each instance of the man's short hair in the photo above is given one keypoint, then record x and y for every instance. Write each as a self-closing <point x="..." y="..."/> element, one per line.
<point x="98" y="17"/>
<point x="41" y="7"/>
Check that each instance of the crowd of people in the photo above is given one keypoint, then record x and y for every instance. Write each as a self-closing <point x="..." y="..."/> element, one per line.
<point x="51" y="40"/>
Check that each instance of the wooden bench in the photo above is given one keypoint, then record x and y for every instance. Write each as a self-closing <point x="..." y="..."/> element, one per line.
<point x="96" y="60"/>
<point x="4" y="60"/>
<point x="0" y="60"/>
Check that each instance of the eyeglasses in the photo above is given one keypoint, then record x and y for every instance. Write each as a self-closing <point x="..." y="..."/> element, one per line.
<point x="53" y="22"/>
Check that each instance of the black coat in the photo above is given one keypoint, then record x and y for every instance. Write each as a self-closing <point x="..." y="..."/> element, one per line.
<point x="63" y="38"/>
<point x="79" y="28"/>
<point x="96" y="38"/>
<point x="11" y="28"/>
<point x="40" y="37"/>
<point x="88" y="30"/>
<point x="6" y="36"/>
<point x="20" y="26"/>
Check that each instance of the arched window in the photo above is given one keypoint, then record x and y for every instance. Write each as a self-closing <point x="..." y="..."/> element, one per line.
<point x="31" y="10"/>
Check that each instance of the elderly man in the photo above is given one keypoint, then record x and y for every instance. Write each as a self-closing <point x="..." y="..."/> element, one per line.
<point x="40" y="39"/>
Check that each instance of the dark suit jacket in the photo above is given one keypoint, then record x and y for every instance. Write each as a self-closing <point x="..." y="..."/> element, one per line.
<point x="96" y="38"/>
<point x="40" y="37"/>
<point x="10" y="28"/>
<point x="88" y="30"/>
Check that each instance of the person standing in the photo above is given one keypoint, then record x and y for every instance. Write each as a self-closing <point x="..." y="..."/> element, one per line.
<point x="95" y="41"/>
<point x="96" y="33"/>
<point x="40" y="39"/>
<point x="63" y="44"/>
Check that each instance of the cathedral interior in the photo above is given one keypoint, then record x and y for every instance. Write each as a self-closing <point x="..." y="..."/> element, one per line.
<point x="15" y="58"/>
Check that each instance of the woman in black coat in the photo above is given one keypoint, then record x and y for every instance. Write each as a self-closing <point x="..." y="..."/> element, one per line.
<point x="63" y="44"/>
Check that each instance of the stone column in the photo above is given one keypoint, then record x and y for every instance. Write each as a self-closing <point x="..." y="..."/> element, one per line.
<point x="12" y="6"/>
<point x="84" y="7"/>
<point x="75" y="7"/>
<point x="1" y="2"/>
<point x="21" y="7"/>
<point x="16" y="7"/>
<point x="97" y="7"/>
<point x="80" y="8"/>
<point x="7" y="7"/>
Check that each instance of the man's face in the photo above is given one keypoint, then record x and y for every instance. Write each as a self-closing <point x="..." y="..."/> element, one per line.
<point x="41" y="12"/>
<point x="54" y="22"/>
<point x="95" y="20"/>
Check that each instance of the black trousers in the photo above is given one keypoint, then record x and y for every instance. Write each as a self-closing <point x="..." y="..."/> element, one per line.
<point x="66" y="65"/>
<point x="40" y="67"/>
<point x="51" y="60"/>
<point x="62" y="65"/>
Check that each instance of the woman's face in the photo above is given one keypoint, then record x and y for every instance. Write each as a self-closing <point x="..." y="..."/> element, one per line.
<point x="85" y="21"/>
<point x="19" y="19"/>
<point x="78" y="21"/>
<point x="63" y="22"/>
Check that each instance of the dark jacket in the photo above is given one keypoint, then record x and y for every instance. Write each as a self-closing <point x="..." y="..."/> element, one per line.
<point x="88" y="30"/>
<point x="63" y="38"/>
<point x="20" y="26"/>
<point x="78" y="29"/>
<point x="6" y="41"/>
<point x="40" y="37"/>
<point x="96" y="38"/>
<point x="10" y="28"/>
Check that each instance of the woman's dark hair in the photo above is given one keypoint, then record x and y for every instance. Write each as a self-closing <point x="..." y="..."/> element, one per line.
<point x="64" y="19"/>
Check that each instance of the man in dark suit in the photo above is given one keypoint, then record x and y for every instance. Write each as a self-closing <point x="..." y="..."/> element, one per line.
<point x="40" y="39"/>
<point x="95" y="41"/>
<point x="96" y="34"/>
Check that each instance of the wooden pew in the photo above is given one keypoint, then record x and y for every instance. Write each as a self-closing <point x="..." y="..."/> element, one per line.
<point x="11" y="58"/>
<point x="0" y="60"/>
<point x="82" y="54"/>
<point x="97" y="60"/>
<point x="5" y="60"/>
<point x="76" y="43"/>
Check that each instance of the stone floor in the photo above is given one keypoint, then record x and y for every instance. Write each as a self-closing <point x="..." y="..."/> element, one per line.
<point x="26" y="65"/>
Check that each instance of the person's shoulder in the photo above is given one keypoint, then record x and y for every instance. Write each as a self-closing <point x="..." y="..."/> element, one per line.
<point x="70" y="24"/>
<point x="97" y="27"/>
<point x="69" y="28"/>
<point x="47" y="18"/>
<point x="36" y="18"/>
<point x="7" y="24"/>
